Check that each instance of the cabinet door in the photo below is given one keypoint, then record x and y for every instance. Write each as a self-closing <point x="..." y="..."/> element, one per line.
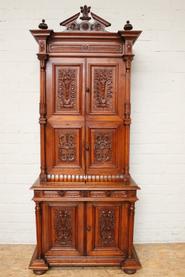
<point x="104" y="116"/>
<point x="63" y="229"/>
<point x="65" y="116"/>
<point x="107" y="228"/>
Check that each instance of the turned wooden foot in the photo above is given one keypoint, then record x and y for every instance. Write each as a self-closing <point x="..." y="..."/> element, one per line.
<point x="129" y="271"/>
<point x="39" y="271"/>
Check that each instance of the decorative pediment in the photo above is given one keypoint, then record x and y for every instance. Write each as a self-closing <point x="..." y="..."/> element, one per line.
<point x="85" y="20"/>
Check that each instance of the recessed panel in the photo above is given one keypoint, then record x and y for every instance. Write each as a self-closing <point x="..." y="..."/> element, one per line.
<point x="102" y="147"/>
<point x="67" y="147"/>
<point x="63" y="220"/>
<point x="103" y="89"/>
<point x="68" y="87"/>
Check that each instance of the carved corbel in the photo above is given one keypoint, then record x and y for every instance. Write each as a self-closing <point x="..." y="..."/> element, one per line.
<point x="128" y="61"/>
<point x="43" y="59"/>
<point x="127" y="109"/>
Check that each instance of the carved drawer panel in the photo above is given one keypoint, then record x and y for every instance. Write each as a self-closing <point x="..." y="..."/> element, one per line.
<point x="81" y="194"/>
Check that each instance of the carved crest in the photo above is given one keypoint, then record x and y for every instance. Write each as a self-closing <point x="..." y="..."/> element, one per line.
<point x="85" y="20"/>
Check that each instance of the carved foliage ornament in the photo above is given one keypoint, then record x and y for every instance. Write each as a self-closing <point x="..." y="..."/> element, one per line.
<point x="103" y="147"/>
<point x="85" y="20"/>
<point x="63" y="226"/>
<point x="67" y="89"/>
<point x="107" y="226"/>
<point x="103" y="88"/>
<point x="67" y="147"/>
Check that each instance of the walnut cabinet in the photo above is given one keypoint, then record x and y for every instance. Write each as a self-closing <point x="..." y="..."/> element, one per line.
<point x="84" y="196"/>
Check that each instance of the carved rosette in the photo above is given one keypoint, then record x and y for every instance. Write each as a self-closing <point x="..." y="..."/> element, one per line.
<point x="67" y="147"/>
<point x="103" y="89"/>
<point x="67" y="89"/>
<point x="103" y="147"/>
<point x="63" y="226"/>
<point x="107" y="226"/>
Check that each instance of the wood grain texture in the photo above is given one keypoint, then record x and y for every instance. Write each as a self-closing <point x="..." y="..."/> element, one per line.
<point x="85" y="196"/>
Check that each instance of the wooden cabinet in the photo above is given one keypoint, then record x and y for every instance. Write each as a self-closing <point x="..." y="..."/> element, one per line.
<point x="85" y="196"/>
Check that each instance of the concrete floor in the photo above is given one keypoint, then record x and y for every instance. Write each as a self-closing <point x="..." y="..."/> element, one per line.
<point x="157" y="260"/>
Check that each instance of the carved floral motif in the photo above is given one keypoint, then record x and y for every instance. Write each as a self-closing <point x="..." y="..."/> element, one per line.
<point x="107" y="226"/>
<point x="67" y="88"/>
<point x="67" y="147"/>
<point x="103" y="88"/>
<point x="63" y="226"/>
<point x="103" y="147"/>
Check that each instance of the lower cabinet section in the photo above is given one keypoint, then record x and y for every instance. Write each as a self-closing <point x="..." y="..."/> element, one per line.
<point x="79" y="228"/>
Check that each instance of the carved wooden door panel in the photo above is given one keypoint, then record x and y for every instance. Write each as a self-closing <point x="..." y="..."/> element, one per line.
<point x="65" y="116"/>
<point x="64" y="228"/>
<point x="107" y="225"/>
<point x="104" y="116"/>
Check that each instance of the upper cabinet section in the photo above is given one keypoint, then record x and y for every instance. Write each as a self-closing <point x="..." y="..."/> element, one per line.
<point x="85" y="34"/>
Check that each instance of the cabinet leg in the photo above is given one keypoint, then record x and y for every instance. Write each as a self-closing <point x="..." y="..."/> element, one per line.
<point x="39" y="272"/>
<point x="38" y="265"/>
<point x="132" y="263"/>
<point x="129" y="271"/>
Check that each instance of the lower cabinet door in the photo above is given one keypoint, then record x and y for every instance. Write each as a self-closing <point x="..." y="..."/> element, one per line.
<point x="107" y="228"/>
<point x="63" y="228"/>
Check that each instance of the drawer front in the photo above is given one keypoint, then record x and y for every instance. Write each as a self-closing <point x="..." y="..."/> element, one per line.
<point x="85" y="195"/>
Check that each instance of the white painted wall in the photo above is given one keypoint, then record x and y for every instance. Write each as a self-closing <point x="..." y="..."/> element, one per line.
<point x="158" y="97"/>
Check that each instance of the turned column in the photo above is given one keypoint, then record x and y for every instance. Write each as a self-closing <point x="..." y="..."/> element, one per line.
<point x="127" y="111"/>
<point x="131" y="229"/>
<point x="43" y="58"/>
<point x="38" y="218"/>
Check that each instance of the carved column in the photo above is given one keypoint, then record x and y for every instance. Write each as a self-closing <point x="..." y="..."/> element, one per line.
<point x="39" y="229"/>
<point x="131" y="229"/>
<point x="127" y="107"/>
<point x="43" y="58"/>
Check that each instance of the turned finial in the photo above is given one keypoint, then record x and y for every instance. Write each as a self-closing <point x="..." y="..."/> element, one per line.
<point x="128" y="26"/>
<point x="43" y="25"/>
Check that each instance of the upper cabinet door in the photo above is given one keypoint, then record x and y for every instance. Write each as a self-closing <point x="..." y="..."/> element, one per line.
<point x="104" y="116"/>
<point x="65" y="112"/>
<point x="105" y="86"/>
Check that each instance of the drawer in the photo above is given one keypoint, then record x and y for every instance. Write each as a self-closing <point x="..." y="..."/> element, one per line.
<point x="85" y="195"/>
